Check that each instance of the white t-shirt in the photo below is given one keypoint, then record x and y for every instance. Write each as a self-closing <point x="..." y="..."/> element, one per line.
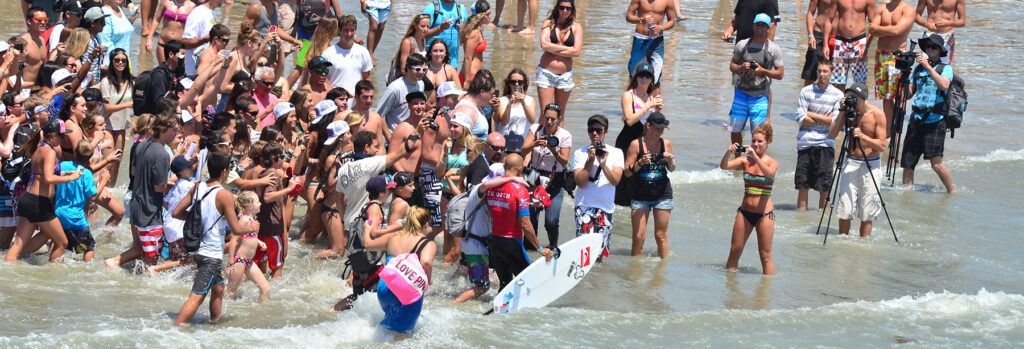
<point x="542" y="158"/>
<point x="517" y="122"/>
<point x="172" y="226"/>
<point x="347" y="65"/>
<point x="352" y="178"/>
<point x="481" y="224"/>
<point x="198" y="25"/>
<point x="602" y="193"/>
<point x="54" y="38"/>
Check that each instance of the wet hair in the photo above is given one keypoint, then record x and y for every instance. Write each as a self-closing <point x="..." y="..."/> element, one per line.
<point x="162" y="123"/>
<point x="245" y="199"/>
<point x="362" y="140"/>
<point x="65" y="106"/>
<point x="766" y="130"/>
<point x="217" y="163"/>
<point x="83" y="152"/>
<point x="480" y="83"/>
<point x="508" y="89"/>
<point x="553" y="17"/>
<point x="447" y="52"/>
<point x="364" y="85"/>
<point x="270" y="153"/>
<point x="414" y="59"/>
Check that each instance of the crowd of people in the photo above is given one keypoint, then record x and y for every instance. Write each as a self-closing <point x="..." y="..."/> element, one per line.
<point x="225" y="139"/>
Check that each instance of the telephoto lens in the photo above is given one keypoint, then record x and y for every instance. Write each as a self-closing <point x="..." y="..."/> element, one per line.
<point x="552" y="141"/>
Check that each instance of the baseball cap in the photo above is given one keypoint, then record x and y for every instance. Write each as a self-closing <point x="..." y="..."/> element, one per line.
<point x="282" y="109"/>
<point x="180" y="163"/>
<point x="55" y="126"/>
<point x="643" y="67"/>
<point x="449" y="88"/>
<point x="318" y="62"/>
<point x="462" y="119"/>
<point x="93" y="14"/>
<point x="860" y="89"/>
<point x="658" y="120"/>
<point x="334" y="130"/>
<point x="541" y="194"/>
<point x="414" y="95"/>
<point x="92" y="95"/>
<point x="403" y="178"/>
<point x="4" y="46"/>
<point x="185" y="83"/>
<point x="58" y="75"/>
<point x="763" y="18"/>
<point x="72" y="6"/>
<point x="323" y="108"/>
<point x="376" y="184"/>
<point x="598" y="118"/>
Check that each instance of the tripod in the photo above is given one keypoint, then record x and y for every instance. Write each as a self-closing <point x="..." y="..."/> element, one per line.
<point x="899" y="112"/>
<point x="841" y="160"/>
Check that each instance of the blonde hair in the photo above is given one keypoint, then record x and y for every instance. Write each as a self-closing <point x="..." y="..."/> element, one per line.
<point x="77" y="42"/>
<point x="415" y="221"/>
<point x="246" y="34"/>
<point x="354" y="119"/>
<point x="142" y="124"/>
<point x="473" y="24"/>
<point x="245" y="199"/>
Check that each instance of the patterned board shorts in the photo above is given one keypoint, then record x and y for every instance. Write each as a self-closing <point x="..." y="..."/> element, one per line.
<point x="590" y="220"/>
<point x="847" y="60"/>
<point x="886" y="75"/>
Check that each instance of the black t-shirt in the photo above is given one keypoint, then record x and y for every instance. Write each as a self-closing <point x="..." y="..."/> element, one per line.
<point x="153" y="165"/>
<point x="745" y="12"/>
<point x="477" y="171"/>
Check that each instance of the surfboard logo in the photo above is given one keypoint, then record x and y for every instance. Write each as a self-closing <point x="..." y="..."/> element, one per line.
<point x="585" y="257"/>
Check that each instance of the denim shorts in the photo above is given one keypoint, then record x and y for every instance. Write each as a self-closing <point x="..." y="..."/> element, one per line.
<point x="665" y="204"/>
<point x="547" y="79"/>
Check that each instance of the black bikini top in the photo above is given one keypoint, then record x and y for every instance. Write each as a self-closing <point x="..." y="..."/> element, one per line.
<point x="569" y="41"/>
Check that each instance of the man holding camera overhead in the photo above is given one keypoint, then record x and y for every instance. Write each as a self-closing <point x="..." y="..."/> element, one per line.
<point x="757" y="61"/>
<point x="858" y="195"/>
<point x="597" y="169"/>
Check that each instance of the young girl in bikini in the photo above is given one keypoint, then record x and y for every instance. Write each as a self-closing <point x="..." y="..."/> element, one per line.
<point x="241" y="263"/>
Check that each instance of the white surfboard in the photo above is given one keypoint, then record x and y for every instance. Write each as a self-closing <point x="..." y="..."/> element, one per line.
<point x="544" y="282"/>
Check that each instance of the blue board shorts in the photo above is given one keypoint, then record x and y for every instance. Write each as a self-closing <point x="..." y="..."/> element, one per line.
<point x="651" y="49"/>
<point x="747" y="109"/>
<point x="479" y="272"/>
<point x="378" y="14"/>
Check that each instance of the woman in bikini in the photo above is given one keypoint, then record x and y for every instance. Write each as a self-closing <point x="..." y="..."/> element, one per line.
<point x="248" y="206"/>
<point x="637" y="104"/>
<point x="247" y="45"/>
<point x="332" y="205"/>
<point x="439" y="68"/>
<point x="561" y="39"/>
<point x="94" y="131"/>
<point x="35" y="206"/>
<point x="172" y="14"/>
<point x="414" y="41"/>
<point x="756" y="211"/>
<point x="471" y="37"/>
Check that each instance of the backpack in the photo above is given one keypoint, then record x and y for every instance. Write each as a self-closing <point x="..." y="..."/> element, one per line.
<point x="955" y="103"/>
<point x="404" y="275"/>
<point x="17" y="168"/>
<point x="437" y="12"/>
<point x="193" y="231"/>
<point x="144" y="99"/>
<point x="360" y="260"/>
<point x="457" y="218"/>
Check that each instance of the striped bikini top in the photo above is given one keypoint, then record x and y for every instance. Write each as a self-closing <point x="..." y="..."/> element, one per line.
<point x="757" y="185"/>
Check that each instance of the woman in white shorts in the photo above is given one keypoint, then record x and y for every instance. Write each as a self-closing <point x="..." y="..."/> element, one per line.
<point x="561" y="38"/>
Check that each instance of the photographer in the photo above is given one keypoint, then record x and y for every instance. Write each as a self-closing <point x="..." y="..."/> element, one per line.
<point x="597" y="169"/>
<point x="858" y="195"/>
<point x="547" y="148"/>
<point x="650" y="158"/>
<point x="757" y="61"/>
<point x="926" y="133"/>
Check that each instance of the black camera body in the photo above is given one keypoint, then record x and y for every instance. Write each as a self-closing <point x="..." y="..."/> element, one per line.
<point x="433" y="124"/>
<point x="741" y="149"/>
<point x="552" y="140"/>
<point x="657" y="157"/>
<point x="753" y="65"/>
<point x="905" y="59"/>
<point x="599" y="150"/>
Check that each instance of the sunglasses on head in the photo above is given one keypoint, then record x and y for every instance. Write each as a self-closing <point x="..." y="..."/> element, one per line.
<point x="552" y="106"/>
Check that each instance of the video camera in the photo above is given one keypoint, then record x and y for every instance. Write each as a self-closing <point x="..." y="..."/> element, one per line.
<point x="849" y="106"/>
<point x="905" y="59"/>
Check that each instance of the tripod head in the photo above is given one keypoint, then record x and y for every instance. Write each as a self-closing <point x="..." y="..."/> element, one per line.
<point x="849" y="106"/>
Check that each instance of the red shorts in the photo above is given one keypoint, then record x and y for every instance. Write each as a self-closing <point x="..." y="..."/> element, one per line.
<point x="150" y="238"/>
<point x="274" y="254"/>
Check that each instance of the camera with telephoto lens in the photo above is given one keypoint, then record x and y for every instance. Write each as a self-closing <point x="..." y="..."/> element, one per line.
<point x="599" y="150"/>
<point x="433" y="124"/>
<point x="552" y="140"/>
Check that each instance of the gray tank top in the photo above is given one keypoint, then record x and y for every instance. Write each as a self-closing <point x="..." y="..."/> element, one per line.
<point x="265" y="20"/>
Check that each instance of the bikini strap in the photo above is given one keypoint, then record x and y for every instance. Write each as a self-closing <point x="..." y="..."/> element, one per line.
<point x="420" y="245"/>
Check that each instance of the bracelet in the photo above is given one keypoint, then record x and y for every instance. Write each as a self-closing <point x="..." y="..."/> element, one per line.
<point x="810" y="35"/>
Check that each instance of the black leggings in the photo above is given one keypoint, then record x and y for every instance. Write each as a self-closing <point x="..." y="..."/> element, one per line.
<point x="507" y="258"/>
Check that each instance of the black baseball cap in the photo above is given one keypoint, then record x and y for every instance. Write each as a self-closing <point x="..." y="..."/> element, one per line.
<point x="173" y="45"/>
<point x="403" y="178"/>
<point x="643" y="67"/>
<point x="598" y="119"/>
<point x="318" y="62"/>
<point x="55" y="126"/>
<point x="860" y="89"/>
<point x="414" y="95"/>
<point x="657" y="119"/>
<point x="72" y="6"/>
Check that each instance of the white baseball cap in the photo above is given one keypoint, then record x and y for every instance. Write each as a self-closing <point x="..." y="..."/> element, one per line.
<point x="59" y="75"/>
<point x="283" y="108"/>
<point x="462" y="119"/>
<point x="323" y="108"/>
<point x="449" y="88"/>
<point x="334" y="130"/>
<point x="4" y="46"/>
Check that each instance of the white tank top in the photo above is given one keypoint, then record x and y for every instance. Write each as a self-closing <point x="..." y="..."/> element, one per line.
<point x="213" y="223"/>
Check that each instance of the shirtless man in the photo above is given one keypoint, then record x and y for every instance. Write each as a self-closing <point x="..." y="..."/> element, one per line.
<point x="317" y="82"/>
<point x="652" y="18"/>
<point x="364" y="94"/>
<point x="422" y="161"/>
<point x="858" y="192"/>
<point x="891" y="25"/>
<point x="852" y="40"/>
<point x="819" y="21"/>
<point x="943" y="17"/>
<point x="35" y="48"/>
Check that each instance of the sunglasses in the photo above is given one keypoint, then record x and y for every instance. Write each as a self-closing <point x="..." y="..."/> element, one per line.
<point x="595" y="129"/>
<point x="565" y="8"/>
<point x="261" y="64"/>
<point x="496" y="148"/>
<point x="281" y="157"/>
<point x="552" y="106"/>
<point x="41" y="20"/>
<point x="267" y="83"/>
<point x="320" y="71"/>
<point x="120" y="60"/>
<point x="223" y="144"/>
<point x="246" y="112"/>
<point x="517" y="82"/>
<point x="419" y="69"/>
<point x="225" y="39"/>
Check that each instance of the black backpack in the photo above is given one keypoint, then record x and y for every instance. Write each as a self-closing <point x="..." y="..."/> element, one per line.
<point x="361" y="261"/>
<point x="193" y="229"/>
<point x="17" y="168"/>
<point x="144" y="98"/>
<point x="955" y="102"/>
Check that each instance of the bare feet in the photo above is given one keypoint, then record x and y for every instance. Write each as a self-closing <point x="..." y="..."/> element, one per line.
<point x="113" y="262"/>
<point x="680" y="17"/>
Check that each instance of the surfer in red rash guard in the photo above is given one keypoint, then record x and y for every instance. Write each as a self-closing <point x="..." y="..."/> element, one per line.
<point x="510" y="203"/>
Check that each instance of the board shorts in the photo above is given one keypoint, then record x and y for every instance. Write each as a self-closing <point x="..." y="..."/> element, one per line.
<point x="950" y="45"/>
<point x="846" y="59"/>
<point x="378" y="14"/>
<point x="546" y="79"/>
<point x="432" y="189"/>
<point x="207" y="274"/>
<point x="397" y="317"/>
<point x="150" y="237"/>
<point x="664" y="204"/>
<point x="300" y="59"/>
<point x="923" y="139"/>
<point x="479" y="274"/>
<point x="813" y="56"/>
<point x="814" y="168"/>
<point x="590" y="220"/>
<point x="35" y="208"/>
<point x="273" y="253"/>
<point x="886" y="75"/>
<point x="8" y="207"/>
<point x="650" y="49"/>
<point x="747" y="109"/>
<point x="858" y="195"/>
<point x="176" y="250"/>
<point x="80" y="241"/>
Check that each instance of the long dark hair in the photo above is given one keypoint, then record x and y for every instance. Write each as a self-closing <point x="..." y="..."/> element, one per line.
<point x="553" y="17"/>
<point x="633" y="83"/>
<point x="65" y="106"/>
<point x="126" y="76"/>
<point x="44" y="73"/>
<point x="507" y="90"/>
<point x="447" y="51"/>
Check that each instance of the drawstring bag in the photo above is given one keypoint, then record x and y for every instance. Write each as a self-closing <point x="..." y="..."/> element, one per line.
<point x="405" y="277"/>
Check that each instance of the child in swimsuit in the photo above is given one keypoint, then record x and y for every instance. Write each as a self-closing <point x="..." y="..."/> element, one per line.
<point x="241" y="262"/>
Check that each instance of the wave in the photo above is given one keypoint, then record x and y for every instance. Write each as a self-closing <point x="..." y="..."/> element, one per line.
<point x="690" y="177"/>
<point x="998" y="155"/>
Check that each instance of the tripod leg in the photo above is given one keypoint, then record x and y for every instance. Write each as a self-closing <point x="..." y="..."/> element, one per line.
<point x="833" y="190"/>
<point x="877" y="190"/>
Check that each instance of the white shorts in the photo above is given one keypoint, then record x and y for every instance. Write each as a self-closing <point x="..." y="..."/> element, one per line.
<point x="547" y="79"/>
<point x="858" y="196"/>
